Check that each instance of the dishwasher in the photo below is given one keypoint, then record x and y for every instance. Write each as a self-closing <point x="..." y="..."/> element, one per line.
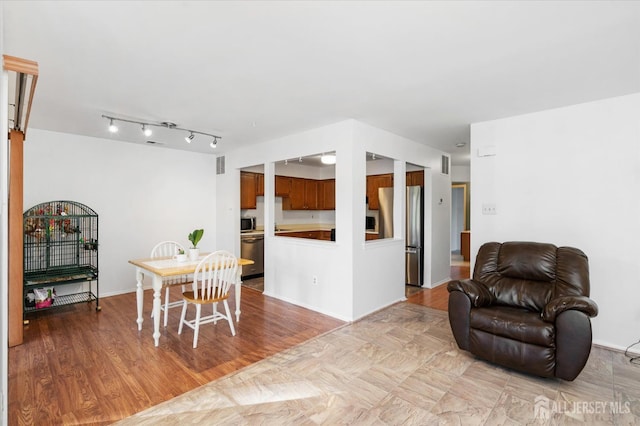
<point x="252" y="247"/>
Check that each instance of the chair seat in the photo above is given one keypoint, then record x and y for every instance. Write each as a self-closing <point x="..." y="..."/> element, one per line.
<point x="189" y="296"/>
<point x="513" y="323"/>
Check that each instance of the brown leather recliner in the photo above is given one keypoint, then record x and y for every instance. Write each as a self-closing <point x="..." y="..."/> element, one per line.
<point x="527" y="307"/>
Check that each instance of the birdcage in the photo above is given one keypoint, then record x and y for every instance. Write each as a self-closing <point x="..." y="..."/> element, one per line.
<point x="60" y="248"/>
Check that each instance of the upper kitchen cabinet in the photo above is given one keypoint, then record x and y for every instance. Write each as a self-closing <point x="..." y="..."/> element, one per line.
<point x="283" y="186"/>
<point x="260" y="184"/>
<point x="415" y="178"/>
<point x="248" y="190"/>
<point x="374" y="182"/>
<point x="302" y="196"/>
<point x="306" y="183"/>
<point x="327" y="194"/>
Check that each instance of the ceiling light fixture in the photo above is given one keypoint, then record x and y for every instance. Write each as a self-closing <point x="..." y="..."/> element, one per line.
<point x="112" y="127"/>
<point x="461" y="144"/>
<point x="146" y="128"/>
<point x="328" y="159"/>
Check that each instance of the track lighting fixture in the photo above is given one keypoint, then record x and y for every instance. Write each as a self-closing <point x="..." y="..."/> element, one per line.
<point x="112" y="127"/>
<point x="146" y="128"/>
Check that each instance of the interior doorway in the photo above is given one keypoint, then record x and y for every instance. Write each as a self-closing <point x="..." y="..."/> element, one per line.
<point x="459" y="223"/>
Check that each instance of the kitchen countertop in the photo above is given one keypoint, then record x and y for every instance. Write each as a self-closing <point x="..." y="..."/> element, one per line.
<point x="294" y="228"/>
<point x="282" y="229"/>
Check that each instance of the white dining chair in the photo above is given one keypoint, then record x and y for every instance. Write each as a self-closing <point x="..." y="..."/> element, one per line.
<point x="168" y="249"/>
<point x="212" y="280"/>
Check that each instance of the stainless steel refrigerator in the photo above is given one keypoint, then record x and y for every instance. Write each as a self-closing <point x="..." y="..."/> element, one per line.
<point x="414" y="235"/>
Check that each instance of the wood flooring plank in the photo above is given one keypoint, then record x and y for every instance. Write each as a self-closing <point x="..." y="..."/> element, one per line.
<point x="79" y="366"/>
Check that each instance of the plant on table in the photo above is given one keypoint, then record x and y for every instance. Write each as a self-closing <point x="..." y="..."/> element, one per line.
<point x="195" y="237"/>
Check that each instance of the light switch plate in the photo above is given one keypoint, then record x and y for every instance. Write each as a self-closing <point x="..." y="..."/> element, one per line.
<point x="489" y="209"/>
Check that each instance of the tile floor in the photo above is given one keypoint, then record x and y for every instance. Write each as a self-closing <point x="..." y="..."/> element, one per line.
<point x="401" y="366"/>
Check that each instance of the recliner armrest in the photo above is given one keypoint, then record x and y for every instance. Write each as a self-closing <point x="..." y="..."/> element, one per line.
<point x="477" y="293"/>
<point x="580" y="303"/>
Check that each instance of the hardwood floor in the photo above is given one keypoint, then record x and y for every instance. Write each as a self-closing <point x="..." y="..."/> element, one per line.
<point x="77" y="366"/>
<point x="438" y="298"/>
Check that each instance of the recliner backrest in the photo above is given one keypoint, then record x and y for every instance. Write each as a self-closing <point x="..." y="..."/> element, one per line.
<point x="528" y="274"/>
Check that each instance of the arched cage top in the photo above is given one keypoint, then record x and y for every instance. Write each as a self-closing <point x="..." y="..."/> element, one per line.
<point x="60" y="208"/>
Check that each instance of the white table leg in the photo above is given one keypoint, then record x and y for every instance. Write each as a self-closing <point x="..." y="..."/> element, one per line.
<point x="139" y="296"/>
<point x="157" y="290"/>
<point x="238" y="291"/>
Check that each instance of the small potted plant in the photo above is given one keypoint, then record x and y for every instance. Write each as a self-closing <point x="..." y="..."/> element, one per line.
<point x="195" y="237"/>
<point x="180" y="256"/>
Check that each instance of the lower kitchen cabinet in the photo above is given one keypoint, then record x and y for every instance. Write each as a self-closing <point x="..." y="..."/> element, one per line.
<point x="312" y="235"/>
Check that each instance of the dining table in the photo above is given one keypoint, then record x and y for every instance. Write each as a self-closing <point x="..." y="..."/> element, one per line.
<point x="159" y="268"/>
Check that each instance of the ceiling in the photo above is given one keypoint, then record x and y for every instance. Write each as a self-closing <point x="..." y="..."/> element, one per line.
<point x="254" y="71"/>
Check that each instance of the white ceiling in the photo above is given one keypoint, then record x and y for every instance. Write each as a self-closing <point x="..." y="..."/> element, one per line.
<point x="253" y="71"/>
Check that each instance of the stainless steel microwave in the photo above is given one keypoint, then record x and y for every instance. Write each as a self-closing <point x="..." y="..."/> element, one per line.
<point x="247" y="223"/>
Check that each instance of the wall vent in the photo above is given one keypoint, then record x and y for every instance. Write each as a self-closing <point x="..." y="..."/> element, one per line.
<point x="220" y="165"/>
<point x="445" y="165"/>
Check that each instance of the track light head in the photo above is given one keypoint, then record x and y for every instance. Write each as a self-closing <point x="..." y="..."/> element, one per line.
<point x="147" y="128"/>
<point x="112" y="127"/>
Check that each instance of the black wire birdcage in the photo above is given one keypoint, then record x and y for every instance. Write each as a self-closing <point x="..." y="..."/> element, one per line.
<point x="60" y="247"/>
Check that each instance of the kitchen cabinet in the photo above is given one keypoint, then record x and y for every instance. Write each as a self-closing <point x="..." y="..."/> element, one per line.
<point x="311" y="194"/>
<point x="373" y="183"/>
<point x="465" y="245"/>
<point x="313" y="235"/>
<point x="327" y="194"/>
<point x="415" y="178"/>
<point x="298" y="193"/>
<point x="302" y="196"/>
<point x="283" y="186"/>
<point x="248" y="191"/>
<point x="259" y="184"/>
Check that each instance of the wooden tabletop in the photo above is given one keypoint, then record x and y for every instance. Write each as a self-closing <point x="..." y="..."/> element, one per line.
<point x="168" y="266"/>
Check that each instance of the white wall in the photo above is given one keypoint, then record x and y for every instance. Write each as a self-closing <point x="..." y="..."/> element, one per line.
<point x="460" y="173"/>
<point x="290" y="263"/>
<point x="351" y="283"/>
<point x="388" y="254"/>
<point x="570" y="176"/>
<point x="142" y="194"/>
